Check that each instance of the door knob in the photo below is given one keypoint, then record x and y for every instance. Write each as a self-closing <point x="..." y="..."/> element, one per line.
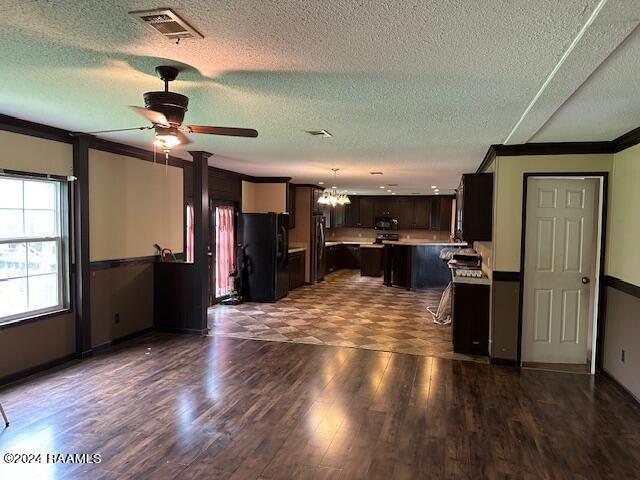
<point x="585" y="280"/>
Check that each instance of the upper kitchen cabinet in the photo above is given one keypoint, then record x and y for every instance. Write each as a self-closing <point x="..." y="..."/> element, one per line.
<point x="474" y="207"/>
<point x="367" y="212"/>
<point x="291" y="207"/>
<point x="403" y="210"/>
<point x="422" y="212"/>
<point x="338" y="216"/>
<point x="315" y="206"/>
<point x="441" y="210"/>
<point x="352" y="212"/>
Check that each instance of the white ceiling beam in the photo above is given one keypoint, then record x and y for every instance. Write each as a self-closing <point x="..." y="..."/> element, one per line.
<point x="607" y="27"/>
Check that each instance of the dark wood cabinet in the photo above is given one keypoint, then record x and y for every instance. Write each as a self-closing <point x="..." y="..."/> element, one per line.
<point x="338" y="216"/>
<point x="352" y="213"/>
<point x="422" y="212"/>
<point x="296" y="269"/>
<point x="332" y="257"/>
<point x="441" y="208"/>
<point x="291" y="207"/>
<point x="316" y="194"/>
<point x="470" y="318"/>
<point x="403" y="210"/>
<point x="381" y="207"/>
<point x="370" y="261"/>
<point x="397" y="266"/>
<point x="349" y="256"/>
<point x="367" y="212"/>
<point x="474" y="207"/>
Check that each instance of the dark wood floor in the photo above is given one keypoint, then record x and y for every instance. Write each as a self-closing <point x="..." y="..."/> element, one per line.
<point x="214" y="407"/>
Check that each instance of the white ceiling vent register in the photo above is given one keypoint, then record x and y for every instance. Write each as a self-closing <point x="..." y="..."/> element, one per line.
<point x="166" y="22"/>
<point x="319" y="133"/>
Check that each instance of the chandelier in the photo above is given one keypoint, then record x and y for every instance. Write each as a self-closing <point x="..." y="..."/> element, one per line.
<point x="332" y="197"/>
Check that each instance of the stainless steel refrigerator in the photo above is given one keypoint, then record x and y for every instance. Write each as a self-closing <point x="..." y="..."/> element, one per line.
<point x="264" y="238"/>
<point x="318" y="263"/>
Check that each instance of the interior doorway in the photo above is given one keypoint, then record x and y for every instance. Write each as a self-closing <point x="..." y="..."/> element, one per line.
<point x="562" y="237"/>
<point x="223" y="248"/>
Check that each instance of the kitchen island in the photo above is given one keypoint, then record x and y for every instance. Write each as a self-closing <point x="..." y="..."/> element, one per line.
<point x="416" y="265"/>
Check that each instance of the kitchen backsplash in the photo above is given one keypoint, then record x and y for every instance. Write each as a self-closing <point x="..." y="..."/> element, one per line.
<point x="363" y="234"/>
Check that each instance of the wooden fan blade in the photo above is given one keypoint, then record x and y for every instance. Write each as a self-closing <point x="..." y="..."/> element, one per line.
<point x="184" y="140"/>
<point x="228" y="131"/>
<point x="154" y="117"/>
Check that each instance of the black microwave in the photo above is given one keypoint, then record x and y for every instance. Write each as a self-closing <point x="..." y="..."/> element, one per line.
<point x="386" y="223"/>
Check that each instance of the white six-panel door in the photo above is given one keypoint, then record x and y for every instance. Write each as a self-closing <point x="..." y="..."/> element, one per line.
<point x="560" y="234"/>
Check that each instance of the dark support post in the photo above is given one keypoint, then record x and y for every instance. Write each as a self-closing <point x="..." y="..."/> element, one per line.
<point x="201" y="238"/>
<point x="81" y="241"/>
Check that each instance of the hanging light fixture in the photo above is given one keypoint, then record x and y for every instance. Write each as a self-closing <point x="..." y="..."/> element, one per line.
<point x="332" y="197"/>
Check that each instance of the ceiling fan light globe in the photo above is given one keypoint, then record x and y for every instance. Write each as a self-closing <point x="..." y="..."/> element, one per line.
<point x="166" y="141"/>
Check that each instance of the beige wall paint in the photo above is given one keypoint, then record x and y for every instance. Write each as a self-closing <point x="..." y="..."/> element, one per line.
<point x="623" y="260"/>
<point x="29" y="345"/>
<point x="509" y="173"/>
<point x="264" y="197"/>
<point x="35" y="155"/>
<point x="35" y="343"/>
<point x="126" y="290"/>
<point x="132" y="205"/>
<point x="622" y="333"/>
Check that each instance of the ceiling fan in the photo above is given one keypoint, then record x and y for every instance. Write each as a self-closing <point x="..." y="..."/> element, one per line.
<point x="165" y="110"/>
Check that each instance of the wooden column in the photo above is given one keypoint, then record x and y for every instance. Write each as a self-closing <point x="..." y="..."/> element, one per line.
<point x="201" y="239"/>
<point x="82" y="281"/>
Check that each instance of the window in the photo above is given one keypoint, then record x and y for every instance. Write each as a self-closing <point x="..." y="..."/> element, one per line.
<point x="33" y="247"/>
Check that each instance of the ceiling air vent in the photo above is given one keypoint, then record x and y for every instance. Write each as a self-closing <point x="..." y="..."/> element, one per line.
<point x="375" y="173"/>
<point x="319" y="133"/>
<point x="166" y="22"/>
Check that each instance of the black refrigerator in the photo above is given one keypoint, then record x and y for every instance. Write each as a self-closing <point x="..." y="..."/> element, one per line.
<point x="264" y="238"/>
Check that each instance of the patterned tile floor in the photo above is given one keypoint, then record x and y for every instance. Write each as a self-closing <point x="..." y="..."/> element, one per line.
<point x="344" y="310"/>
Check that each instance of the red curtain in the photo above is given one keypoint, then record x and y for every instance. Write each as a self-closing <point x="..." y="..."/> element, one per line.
<point x="224" y="250"/>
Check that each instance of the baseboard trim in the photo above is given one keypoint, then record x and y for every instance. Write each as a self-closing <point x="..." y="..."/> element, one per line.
<point x="621" y="387"/>
<point x="503" y="361"/>
<point x="187" y="331"/>
<point x="111" y="343"/>
<point x="23" y="374"/>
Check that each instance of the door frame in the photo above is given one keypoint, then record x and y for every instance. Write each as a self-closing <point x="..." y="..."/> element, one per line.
<point x="598" y="333"/>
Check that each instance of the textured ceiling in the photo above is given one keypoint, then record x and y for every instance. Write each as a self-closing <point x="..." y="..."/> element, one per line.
<point x="415" y="89"/>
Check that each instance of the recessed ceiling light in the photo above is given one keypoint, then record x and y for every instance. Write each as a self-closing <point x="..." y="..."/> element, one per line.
<point x="437" y="193"/>
<point x="388" y="190"/>
<point x="434" y="186"/>
<point x="320" y="183"/>
<point x="436" y="190"/>
<point x="353" y="193"/>
<point x="382" y="186"/>
<point x="393" y="193"/>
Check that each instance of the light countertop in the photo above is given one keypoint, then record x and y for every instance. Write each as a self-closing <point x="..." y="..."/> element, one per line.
<point x="414" y="243"/>
<point x="339" y="242"/>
